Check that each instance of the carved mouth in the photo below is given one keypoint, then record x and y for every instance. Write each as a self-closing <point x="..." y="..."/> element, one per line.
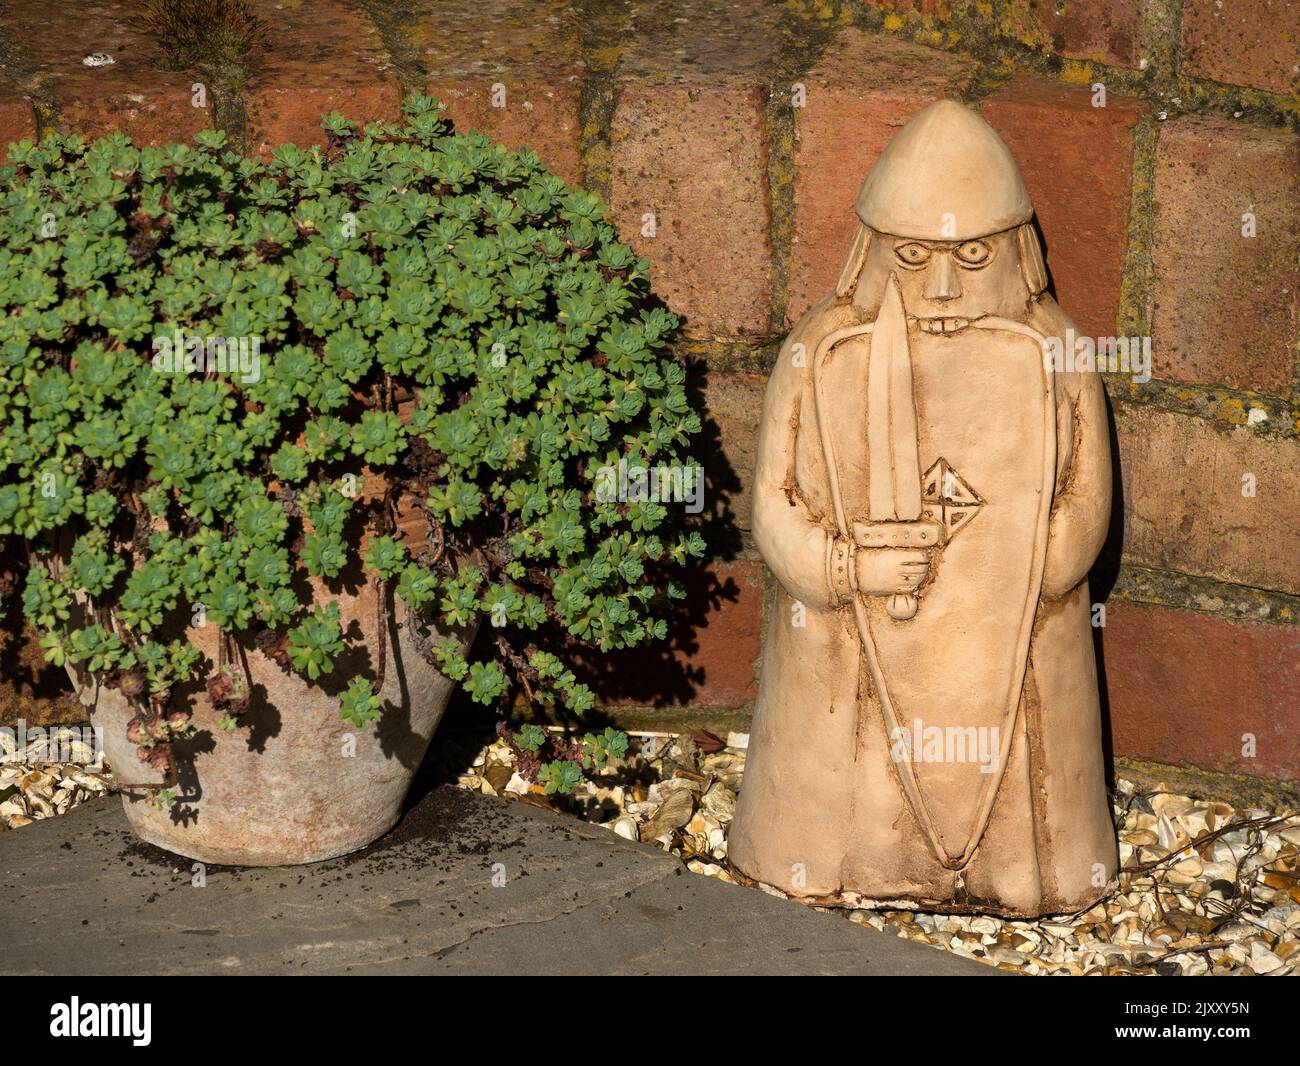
<point x="943" y="325"/>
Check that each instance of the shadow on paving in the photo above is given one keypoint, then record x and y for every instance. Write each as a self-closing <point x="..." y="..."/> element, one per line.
<point x="80" y="895"/>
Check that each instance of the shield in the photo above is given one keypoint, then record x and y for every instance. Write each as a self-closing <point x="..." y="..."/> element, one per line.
<point x="949" y="677"/>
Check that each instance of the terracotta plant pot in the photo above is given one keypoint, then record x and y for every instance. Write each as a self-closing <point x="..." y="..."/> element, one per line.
<point x="294" y="783"/>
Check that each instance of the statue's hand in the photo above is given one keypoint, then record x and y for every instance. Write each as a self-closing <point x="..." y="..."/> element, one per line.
<point x="889" y="571"/>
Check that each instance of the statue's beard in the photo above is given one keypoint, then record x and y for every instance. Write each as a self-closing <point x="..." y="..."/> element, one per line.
<point x="944" y="324"/>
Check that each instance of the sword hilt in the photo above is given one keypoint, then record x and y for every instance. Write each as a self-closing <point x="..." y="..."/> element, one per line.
<point x="901" y="606"/>
<point x="925" y="533"/>
<point x="918" y="533"/>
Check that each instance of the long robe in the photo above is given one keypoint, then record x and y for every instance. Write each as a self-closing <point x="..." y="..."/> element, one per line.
<point x="824" y="811"/>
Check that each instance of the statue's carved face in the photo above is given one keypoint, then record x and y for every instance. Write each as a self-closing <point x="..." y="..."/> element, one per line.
<point x="946" y="284"/>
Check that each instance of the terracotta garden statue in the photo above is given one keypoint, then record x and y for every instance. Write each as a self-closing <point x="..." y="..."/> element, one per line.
<point x="930" y="495"/>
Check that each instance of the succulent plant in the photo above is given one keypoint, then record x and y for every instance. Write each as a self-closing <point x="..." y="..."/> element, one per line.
<point x="217" y="373"/>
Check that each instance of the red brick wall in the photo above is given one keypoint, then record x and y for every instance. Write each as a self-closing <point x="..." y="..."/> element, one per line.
<point x="684" y="110"/>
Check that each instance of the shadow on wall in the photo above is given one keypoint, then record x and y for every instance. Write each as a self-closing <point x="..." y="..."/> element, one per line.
<point x="1105" y="571"/>
<point x="658" y="675"/>
<point x="1101" y="581"/>
<point x="662" y="674"/>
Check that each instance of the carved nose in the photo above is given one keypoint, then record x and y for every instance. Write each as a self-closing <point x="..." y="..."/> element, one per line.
<point x="942" y="282"/>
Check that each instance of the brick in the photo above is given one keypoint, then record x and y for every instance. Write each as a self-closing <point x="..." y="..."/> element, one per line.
<point x="1224" y="308"/>
<point x="734" y="403"/>
<point x="1184" y="688"/>
<point x="1245" y="42"/>
<point x="689" y="145"/>
<point x="1077" y="162"/>
<point x="710" y="658"/>
<point x="723" y="661"/>
<point x="133" y="94"/>
<point x="695" y="160"/>
<point x="322" y="56"/>
<point x="1106" y="31"/>
<point x="532" y="50"/>
<point x="1183" y="503"/>
<point x="861" y="91"/>
<point x="17" y="121"/>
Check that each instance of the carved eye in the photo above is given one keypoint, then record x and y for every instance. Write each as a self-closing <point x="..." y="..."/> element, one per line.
<point x="912" y="255"/>
<point x="973" y="253"/>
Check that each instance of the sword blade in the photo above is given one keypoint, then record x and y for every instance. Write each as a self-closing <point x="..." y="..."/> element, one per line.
<point x="894" y="468"/>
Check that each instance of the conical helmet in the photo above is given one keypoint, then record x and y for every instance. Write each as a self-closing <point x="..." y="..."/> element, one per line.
<point x="946" y="176"/>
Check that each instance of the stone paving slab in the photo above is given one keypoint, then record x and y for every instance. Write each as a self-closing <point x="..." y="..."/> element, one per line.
<point x="80" y="895"/>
